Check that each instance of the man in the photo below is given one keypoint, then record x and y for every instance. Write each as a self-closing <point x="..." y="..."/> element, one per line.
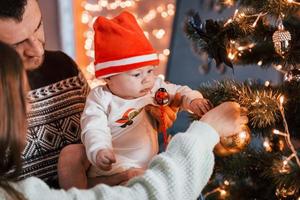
<point x="57" y="96"/>
<point x="58" y="89"/>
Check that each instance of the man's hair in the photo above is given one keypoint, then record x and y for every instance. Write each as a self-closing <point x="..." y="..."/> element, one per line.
<point x="12" y="9"/>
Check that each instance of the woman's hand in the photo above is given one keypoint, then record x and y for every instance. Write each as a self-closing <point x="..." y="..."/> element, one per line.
<point x="227" y="118"/>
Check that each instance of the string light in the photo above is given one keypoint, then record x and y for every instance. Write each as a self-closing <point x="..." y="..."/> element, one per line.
<point x="267" y="83"/>
<point x="286" y="134"/>
<point x="285" y="162"/>
<point x="285" y="168"/>
<point x="260" y="63"/>
<point x="258" y="17"/>
<point x="228" y="22"/>
<point x="267" y="145"/>
<point x="223" y="192"/>
<point x="154" y="18"/>
<point x="277" y="132"/>
<point x="293" y="2"/>
<point x="231" y="56"/>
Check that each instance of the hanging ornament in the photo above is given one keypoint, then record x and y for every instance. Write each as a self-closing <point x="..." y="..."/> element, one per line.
<point x="292" y="75"/>
<point x="162" y="99"/>
<point x="281" y="39"/>
<point x="234" y="143"/>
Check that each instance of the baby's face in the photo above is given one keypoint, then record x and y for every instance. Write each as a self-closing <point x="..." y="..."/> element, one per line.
<point x="132" y="84"/>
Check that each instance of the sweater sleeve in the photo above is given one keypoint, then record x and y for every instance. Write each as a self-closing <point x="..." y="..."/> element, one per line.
<point x="179" y="173"/>
<point x="95" y="133"/>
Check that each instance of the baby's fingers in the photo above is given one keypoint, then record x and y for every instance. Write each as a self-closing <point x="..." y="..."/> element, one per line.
<point x="105" y="167"/>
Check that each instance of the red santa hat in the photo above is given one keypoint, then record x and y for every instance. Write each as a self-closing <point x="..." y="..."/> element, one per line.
<point x="120" y="46"/>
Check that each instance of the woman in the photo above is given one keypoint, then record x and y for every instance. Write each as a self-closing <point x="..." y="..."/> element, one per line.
<point x="179" y="173"/>
<point x="13" y="117"/>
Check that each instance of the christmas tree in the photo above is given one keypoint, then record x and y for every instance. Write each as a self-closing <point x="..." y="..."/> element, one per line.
<point x="264" y="33"/>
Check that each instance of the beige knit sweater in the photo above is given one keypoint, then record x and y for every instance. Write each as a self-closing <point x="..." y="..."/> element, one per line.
<point x="179" y="173"/>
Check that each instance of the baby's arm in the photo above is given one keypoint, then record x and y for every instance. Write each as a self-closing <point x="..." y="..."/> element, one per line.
<point x="200" y="106"/>
<point x="96" y="134"/>
<point x="192" y="100"/>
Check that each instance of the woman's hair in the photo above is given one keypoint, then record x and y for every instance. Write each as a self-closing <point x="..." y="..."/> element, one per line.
<point x="12" y="117"/>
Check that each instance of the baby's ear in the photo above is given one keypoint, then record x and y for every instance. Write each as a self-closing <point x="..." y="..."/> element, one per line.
<point x="107" y="80"/>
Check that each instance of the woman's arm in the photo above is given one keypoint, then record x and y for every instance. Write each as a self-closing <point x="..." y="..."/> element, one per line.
<point x="179" y="173"/>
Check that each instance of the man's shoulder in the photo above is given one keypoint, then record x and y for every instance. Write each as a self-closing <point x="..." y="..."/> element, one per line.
<point x="59" y="60"/>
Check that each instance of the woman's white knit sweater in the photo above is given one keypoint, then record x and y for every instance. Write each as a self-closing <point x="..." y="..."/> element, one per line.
<point x="179" y="173"/>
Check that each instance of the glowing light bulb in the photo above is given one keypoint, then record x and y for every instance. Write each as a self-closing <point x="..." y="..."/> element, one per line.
<point x="278" y="67"/>
<point x="223" y="193"/>
<point x="231" y="56"/>
<point x="85" y="18"/>
<point x="159" y="9"/>
<point x="267" y="145"/>
<point x="103" y="3"/>
<point x="260" y="63"/>
<point x="166" y="52"/>
<point x="171" y="12"/>
<point x="267" y="83"/>
<point x="242" y="135"/>
<point x="171" y="6"/>
<point x="159" y="33"/>
<point x="164" y="14"/>
<point x="226" y="182"/>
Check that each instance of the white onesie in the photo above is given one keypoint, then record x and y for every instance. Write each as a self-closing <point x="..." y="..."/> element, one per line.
<point x="109" y="121"/>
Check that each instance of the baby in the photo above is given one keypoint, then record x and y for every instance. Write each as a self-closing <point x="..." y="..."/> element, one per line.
<point x="116" y="131"/>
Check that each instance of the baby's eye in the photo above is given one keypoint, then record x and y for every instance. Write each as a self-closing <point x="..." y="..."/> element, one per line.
<point x="150" y="71"/>
<point x="136" y="75"/>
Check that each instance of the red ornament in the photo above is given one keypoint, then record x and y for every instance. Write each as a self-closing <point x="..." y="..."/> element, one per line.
<point x="162" y="99"/>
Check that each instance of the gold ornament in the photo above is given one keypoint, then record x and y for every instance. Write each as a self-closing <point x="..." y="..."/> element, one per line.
<point x="281" y="39"/>
<point x="233" y="144"/>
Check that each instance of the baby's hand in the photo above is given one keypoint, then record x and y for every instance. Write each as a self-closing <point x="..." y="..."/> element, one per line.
<point x="200" y="106"/>
<point x="105" y="158"/>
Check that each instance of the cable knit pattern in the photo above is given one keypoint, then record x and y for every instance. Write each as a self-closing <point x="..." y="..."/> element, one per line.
<point x="178" y="174"/>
